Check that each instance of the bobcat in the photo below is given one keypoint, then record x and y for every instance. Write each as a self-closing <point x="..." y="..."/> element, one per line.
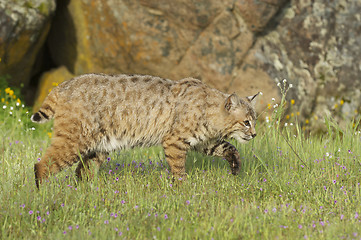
<point x="97" y="113"/>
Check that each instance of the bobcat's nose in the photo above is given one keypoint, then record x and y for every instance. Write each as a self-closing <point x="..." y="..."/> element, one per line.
<point x="254" y="135"/>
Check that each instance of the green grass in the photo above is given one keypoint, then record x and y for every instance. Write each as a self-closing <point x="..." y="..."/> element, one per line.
<point x="290" y="187"/>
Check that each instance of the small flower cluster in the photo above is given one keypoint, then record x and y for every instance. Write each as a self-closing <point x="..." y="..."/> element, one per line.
<point x="10" y="96"/>
<point x="11" y="104"/>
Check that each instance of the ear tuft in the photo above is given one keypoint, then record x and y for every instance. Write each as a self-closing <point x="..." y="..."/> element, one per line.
<point x="251" y="98"/>
<point x="231" y="102"/>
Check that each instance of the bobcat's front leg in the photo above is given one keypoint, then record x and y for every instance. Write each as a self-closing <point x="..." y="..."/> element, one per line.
<point x="175" y="151"/>
<point x="226" y="150"/>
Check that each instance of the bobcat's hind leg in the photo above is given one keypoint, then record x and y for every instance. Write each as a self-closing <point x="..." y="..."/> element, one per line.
<point x="175" y="152"/>
<point x="62" y="153"/>
<point x="226" y="150"/>
<point x="83" y="170"/>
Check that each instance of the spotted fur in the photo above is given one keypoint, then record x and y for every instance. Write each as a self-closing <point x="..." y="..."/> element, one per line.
<point x="97" y="113"/>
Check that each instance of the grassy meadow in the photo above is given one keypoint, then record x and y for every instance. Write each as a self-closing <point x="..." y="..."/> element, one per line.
<point x="290" y="187"/>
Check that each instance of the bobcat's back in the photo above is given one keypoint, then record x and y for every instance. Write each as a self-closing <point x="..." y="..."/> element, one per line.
<point x="114" y="111"/>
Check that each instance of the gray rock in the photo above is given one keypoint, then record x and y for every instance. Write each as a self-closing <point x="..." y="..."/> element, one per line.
<point x="316" y="46"/>
<point x="23" y="29"/>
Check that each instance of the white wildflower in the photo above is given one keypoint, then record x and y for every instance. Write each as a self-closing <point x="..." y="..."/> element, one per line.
<point x="261" y="93"/>
<point x="291" y="85"/>
<point x="11" y="108"/>
<point x="11" y="113"/>
<point x="273" y="99"/>
<point x="4" y="106"/>
<point x="276" y="105"/>
<point x="286" y="124"/>
<point x="284" y="80"/>
<point x="17" y="104"/>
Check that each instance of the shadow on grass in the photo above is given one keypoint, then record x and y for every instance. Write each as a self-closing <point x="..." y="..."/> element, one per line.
<point x="142" y="161"/>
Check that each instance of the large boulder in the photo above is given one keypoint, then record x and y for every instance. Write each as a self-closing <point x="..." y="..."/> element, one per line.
<point x="207" y="39"/>
<point x="23" y="29"/>
<point x="238" y="46"/>
<point x="317" y="47"/>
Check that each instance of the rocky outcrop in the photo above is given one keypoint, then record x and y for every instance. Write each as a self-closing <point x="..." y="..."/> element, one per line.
<point x="316" y="46"/>
<point x="238" y="46"/>
<point x="23" y="30"/>
<point x="173" y="39"/>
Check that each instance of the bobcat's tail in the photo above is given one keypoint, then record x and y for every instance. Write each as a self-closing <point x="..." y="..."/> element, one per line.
<point x="47" y="109"/>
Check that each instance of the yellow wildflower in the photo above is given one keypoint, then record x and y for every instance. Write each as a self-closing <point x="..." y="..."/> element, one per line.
<point x="287" y="116"/>
<point x="335" y="106"/>
<point x="2" y="100"/>
<point x="269" y="106"/>
<point x="49" y="134"/>
<point x="298" y="113"/>
<point x="11" y="92"/>
<point x="292" y="114"/>
<point x="342" y="102"/>
<point x="292" y="101"/>
<point x="316" y="118"/>
<point x="307" y="121"/>
<point x="18" y="101"/>
<point x="7" y="90"/>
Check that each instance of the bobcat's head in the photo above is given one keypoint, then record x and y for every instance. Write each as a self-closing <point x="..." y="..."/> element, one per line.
<point x="241" y="118"/>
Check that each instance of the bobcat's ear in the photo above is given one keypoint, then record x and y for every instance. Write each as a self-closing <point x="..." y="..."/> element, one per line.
<point x="231" y="102"/>
<point x="251" y="98"/>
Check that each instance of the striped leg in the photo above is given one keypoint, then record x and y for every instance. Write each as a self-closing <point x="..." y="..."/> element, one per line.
<point x="226" y="150"/>
<point x="175" y="151"/>
<point x="83" y="170"/>
<point x="62" y="153"/>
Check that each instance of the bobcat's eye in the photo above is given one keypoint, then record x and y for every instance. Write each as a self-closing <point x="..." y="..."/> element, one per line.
<point x="247" y="123"/>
